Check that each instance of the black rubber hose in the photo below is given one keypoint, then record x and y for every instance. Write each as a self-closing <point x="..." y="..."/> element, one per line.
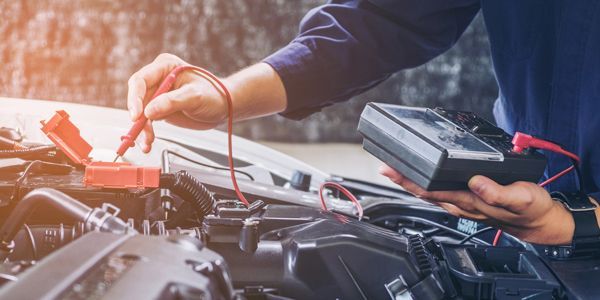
<point x="94" y="219"/>
<point x="33" y="199"/>
<point x="26" y="152"/>
<point x="190" y="190"/>
<point x="47" y="238"/>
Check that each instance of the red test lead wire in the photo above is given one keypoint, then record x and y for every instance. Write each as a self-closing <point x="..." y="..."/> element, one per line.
<point x="208" y="75"/>
<point x="497" y="238"/>
<point x="344" y="191"/>
<point x="166" y="85"/>
<point x="522" y="141"/>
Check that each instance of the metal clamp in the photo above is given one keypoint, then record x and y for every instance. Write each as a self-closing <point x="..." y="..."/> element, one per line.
<point x="111" y="209"/>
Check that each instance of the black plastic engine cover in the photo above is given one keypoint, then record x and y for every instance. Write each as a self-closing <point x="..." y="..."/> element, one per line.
<point x="306" y="253"/>
<point x="107" y="266"/>
<point x="488" y="272"/>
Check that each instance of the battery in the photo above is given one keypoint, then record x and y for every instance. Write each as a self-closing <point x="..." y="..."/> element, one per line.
<point x="441" y="149"/>
<point x="136" y="204"/>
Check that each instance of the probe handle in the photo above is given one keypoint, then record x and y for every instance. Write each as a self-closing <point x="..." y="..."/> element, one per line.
<point x="128" y="140"/>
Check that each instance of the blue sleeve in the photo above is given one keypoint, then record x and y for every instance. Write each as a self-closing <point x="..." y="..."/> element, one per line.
<point x="348" y="46"/>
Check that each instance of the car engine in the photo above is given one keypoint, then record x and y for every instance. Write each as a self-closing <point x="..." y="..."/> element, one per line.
<point x="191" y="238"/>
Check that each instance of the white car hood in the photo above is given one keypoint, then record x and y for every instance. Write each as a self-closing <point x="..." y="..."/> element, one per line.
<point x="102" y="127"/>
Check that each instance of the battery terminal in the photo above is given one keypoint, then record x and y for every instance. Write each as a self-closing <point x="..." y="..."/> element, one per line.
<point x="66" y="136"/>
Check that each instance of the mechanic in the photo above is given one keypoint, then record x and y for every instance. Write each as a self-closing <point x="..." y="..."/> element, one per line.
<point x="546" y="57"/>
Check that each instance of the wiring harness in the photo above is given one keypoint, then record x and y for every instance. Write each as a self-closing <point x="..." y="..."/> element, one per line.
<point x="191" y="190"/>
<point x="343" y="190"/>
<point x="14" y="149"/>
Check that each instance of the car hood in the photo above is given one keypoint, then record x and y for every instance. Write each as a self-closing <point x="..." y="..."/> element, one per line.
<point x="102" y="127"/>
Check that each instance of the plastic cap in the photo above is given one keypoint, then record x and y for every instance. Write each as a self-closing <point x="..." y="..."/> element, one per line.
<point x="66" y="137"/>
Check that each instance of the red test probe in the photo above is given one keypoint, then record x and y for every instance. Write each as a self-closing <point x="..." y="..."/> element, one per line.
<point x="167" y="83"/>
<point x="128" y="140"/>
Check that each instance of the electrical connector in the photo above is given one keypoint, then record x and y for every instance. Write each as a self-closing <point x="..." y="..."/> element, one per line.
<point x="522" y="141"/>
<point x="66" y="136"/>
<point x="120" y="175"/>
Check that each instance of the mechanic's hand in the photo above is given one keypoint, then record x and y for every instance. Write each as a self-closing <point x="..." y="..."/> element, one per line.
<point x="193" y="102"/>
<point x="522" y="209"/>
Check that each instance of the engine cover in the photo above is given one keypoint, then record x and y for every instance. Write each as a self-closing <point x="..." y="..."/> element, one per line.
<point x="108" y="266"/>
<point x="311" y="254"/>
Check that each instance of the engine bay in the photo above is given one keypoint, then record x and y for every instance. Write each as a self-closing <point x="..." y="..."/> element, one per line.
<point x="191" y="238"/>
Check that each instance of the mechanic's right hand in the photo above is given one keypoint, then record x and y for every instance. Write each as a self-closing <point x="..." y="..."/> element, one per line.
<point x="193" y="102"/>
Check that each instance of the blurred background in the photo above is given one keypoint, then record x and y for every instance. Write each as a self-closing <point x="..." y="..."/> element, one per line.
<point x="84" y="51"/>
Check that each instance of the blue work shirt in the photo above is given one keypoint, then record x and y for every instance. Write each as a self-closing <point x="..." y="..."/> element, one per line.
<point x="546" y="57"/>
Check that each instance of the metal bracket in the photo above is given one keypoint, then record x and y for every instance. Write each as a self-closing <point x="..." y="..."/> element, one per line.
<point x="111" y="209"/>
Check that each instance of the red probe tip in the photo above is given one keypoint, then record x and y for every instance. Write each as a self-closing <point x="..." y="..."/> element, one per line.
<point x="128" y="140"/>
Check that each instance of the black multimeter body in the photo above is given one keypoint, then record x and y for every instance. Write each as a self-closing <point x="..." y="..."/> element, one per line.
<point x="442" y="149"/>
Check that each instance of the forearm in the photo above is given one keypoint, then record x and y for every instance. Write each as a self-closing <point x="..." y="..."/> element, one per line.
<point x="256" y="91"/>
<point x="349" y="46"/>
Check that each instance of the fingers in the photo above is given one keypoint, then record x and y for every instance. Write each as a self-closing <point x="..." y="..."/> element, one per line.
<point x="182" y="120"/>
<point x="471" y="203"/>
<point x="462" y="203"/>
<point x="515" y="197"/>
<point x="399" y="179"/>
<point x="146" y="144"/>
<point x="386" y="171"/>
<point x="167" y="104"/>
<point x="135" y="95"/>
<point x="461" y="213"/>
<point x="144" y="79"/>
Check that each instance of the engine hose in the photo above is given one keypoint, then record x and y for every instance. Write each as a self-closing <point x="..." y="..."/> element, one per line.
<point x="46" y="239"/>
<point x="26" y="152"/>
<point x="190" y="190"/>
<point x="94" y="219"/>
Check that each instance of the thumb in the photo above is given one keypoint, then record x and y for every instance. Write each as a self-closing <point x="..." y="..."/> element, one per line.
<point x="166" y="104"/>
<point x="394" y="176"/>
<point x="497" y="195"/>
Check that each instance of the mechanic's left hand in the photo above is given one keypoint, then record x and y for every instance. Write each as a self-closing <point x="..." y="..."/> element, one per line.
<point x="522" y="209"/>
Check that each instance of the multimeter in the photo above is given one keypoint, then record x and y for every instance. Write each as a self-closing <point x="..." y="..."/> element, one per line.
<point x="441" y="149"/>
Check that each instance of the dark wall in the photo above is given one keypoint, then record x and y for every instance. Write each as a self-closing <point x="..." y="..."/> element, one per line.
<point x="84" y="51"/>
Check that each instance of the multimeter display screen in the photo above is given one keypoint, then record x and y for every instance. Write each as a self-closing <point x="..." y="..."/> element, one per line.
<point x="458" y="142"/>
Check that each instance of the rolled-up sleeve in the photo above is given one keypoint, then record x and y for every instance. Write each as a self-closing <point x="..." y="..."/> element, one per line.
<point x="346" y="47"/>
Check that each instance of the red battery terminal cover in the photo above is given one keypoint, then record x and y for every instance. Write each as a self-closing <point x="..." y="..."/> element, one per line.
<point x="65" y="135"/>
